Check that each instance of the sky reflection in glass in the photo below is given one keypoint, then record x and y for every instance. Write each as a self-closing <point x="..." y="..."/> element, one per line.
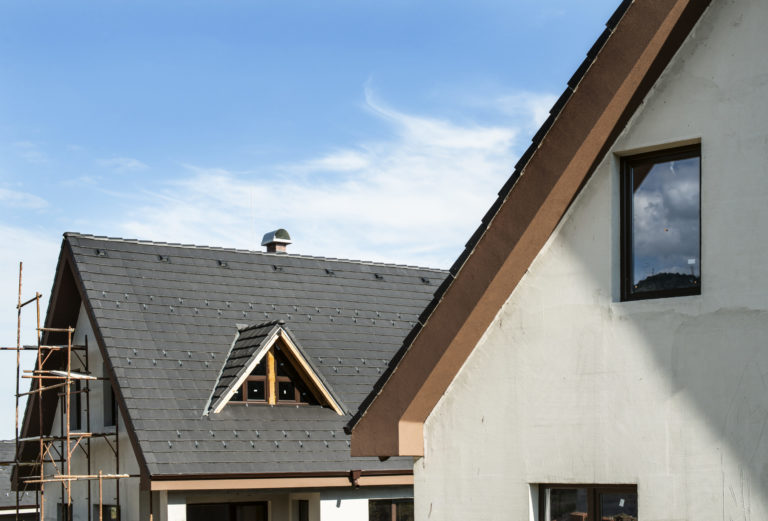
<point x="665" y="225"/>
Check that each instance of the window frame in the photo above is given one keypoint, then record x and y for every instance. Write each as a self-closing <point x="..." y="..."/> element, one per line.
<point x="272" y="380"/>
<point x="626" y="212"/>
<point x="392" y="503"/>
<point x="593" y="496"/>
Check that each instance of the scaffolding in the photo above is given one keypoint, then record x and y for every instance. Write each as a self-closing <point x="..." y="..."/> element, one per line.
<point x="53" y="372"/>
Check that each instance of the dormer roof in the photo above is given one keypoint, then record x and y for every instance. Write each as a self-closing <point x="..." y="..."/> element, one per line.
<point x="250" y="346"/>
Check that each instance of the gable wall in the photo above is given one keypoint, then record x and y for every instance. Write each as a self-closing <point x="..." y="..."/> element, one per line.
<point x="569" y="385"/>
<point x="102" y="456"/>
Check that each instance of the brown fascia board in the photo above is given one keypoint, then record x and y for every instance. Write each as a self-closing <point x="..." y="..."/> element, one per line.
<point x="630" y="62"/>
<point x="144" y="470"/>
<point x="293" y="480"/>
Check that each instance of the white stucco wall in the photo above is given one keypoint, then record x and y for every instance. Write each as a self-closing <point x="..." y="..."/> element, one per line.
<point x="102" y="456"/>
<point x="569" y="385"/>
<point x="330" y="504"/>
<point x="352" y="504"/>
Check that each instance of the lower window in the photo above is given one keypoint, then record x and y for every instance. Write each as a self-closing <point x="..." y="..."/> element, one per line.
<point x="390" y="509"/>
<point x="588" y="503"/>
<point x="108" y="512"/>
<point x="228" y="512"/>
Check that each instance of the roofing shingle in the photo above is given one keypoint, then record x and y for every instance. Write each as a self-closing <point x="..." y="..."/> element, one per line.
<point x="168" y="315"/>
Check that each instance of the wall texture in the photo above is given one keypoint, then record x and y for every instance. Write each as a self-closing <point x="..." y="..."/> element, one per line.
<point x="569" y="385"/>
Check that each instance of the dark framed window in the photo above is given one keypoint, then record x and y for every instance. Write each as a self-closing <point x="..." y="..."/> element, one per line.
<point x="274" y="381"/>
<point x="588" y="503"/>
<point x="75" y="423"/>
<point x="661" y="224"/>
<point x="108" y="512"/>
<point x="110" y="404"/>
<point x="257" y="511"/>
<point x="390" y="509"/>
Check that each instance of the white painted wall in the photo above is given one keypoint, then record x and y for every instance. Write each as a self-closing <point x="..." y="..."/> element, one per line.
<point x="569" y="385"/>
<point x="352" y="504"/>
<point x="331" y="504"/>
<point x="102" y="456"/>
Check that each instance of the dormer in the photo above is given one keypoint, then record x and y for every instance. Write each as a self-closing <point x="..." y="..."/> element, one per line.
<point x="267" y="366"/>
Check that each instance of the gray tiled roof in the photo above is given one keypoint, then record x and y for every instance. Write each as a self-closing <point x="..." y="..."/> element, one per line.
<point x="8" y="496"/>
<point x="168" y="315"/>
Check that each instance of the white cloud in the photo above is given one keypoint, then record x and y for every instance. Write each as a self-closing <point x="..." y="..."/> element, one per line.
<point x="413" y="198"/>
<point x="535" y="106"/>
<point x="15" y="199"/>
<point x="341" y="161"/>
<point x="31" y="152"/>
<point x="122" y="164"/>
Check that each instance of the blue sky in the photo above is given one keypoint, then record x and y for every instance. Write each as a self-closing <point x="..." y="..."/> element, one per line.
<point x="374" y="130"/>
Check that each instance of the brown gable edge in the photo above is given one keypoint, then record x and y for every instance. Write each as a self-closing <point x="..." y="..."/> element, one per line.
<point x="603" y="94"/>
<point x="54" y="318"/>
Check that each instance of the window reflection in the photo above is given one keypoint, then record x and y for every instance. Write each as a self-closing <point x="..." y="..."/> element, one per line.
<point x="662" y="235"/>
<point x="618" y="506"/>
<point x="566" y="504"/>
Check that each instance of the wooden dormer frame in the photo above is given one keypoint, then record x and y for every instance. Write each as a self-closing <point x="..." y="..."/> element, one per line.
<point x="299" y="362"/>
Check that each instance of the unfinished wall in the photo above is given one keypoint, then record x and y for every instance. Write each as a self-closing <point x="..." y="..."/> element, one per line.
<point x="569" y="385"/>
<point x="102" y="456"/>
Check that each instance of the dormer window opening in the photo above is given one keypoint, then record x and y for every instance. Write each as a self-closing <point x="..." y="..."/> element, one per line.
<point x="274" y="381"/>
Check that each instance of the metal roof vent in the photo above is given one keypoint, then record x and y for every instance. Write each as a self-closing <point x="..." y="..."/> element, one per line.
<point x="276" y="241"/>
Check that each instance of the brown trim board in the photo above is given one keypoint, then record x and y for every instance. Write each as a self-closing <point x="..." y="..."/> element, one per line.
<point x="627" y="66"/>
<point x="282" y="481"/>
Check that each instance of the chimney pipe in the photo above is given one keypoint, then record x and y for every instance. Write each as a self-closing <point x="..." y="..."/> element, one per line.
<point x="276" y="241"/>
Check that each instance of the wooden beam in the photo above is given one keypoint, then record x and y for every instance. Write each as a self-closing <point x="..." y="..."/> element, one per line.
<point x="271" y="391"/>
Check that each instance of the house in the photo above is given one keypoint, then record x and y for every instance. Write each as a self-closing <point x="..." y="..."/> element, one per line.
<point x="27" y="502"/>
<point x="599" y="349"/>
<point x="211" y="383"/>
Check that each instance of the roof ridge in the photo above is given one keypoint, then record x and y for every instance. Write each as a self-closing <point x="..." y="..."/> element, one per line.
<point x="279" y="322"/>
<point x="240" y="250"/>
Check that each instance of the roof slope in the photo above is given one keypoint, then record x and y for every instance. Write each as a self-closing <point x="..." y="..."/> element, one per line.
<point x="639" y="40"/>
<point x="167" y="316"/>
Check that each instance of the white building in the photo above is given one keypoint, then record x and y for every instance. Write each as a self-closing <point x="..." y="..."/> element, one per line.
<point x="603" y="340"/>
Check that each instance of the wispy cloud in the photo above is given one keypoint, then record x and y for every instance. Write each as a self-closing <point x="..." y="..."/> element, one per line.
<point x="30" y="152"/>
<point x="413" y="198"/>
<point x="533" y="105"/>
<point x="15" y="199"/>
<point x="122" y="164"/>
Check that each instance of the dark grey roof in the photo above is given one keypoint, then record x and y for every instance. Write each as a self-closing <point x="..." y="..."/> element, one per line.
<point x="168" y="313"/>
<point x="7" y="495"/>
